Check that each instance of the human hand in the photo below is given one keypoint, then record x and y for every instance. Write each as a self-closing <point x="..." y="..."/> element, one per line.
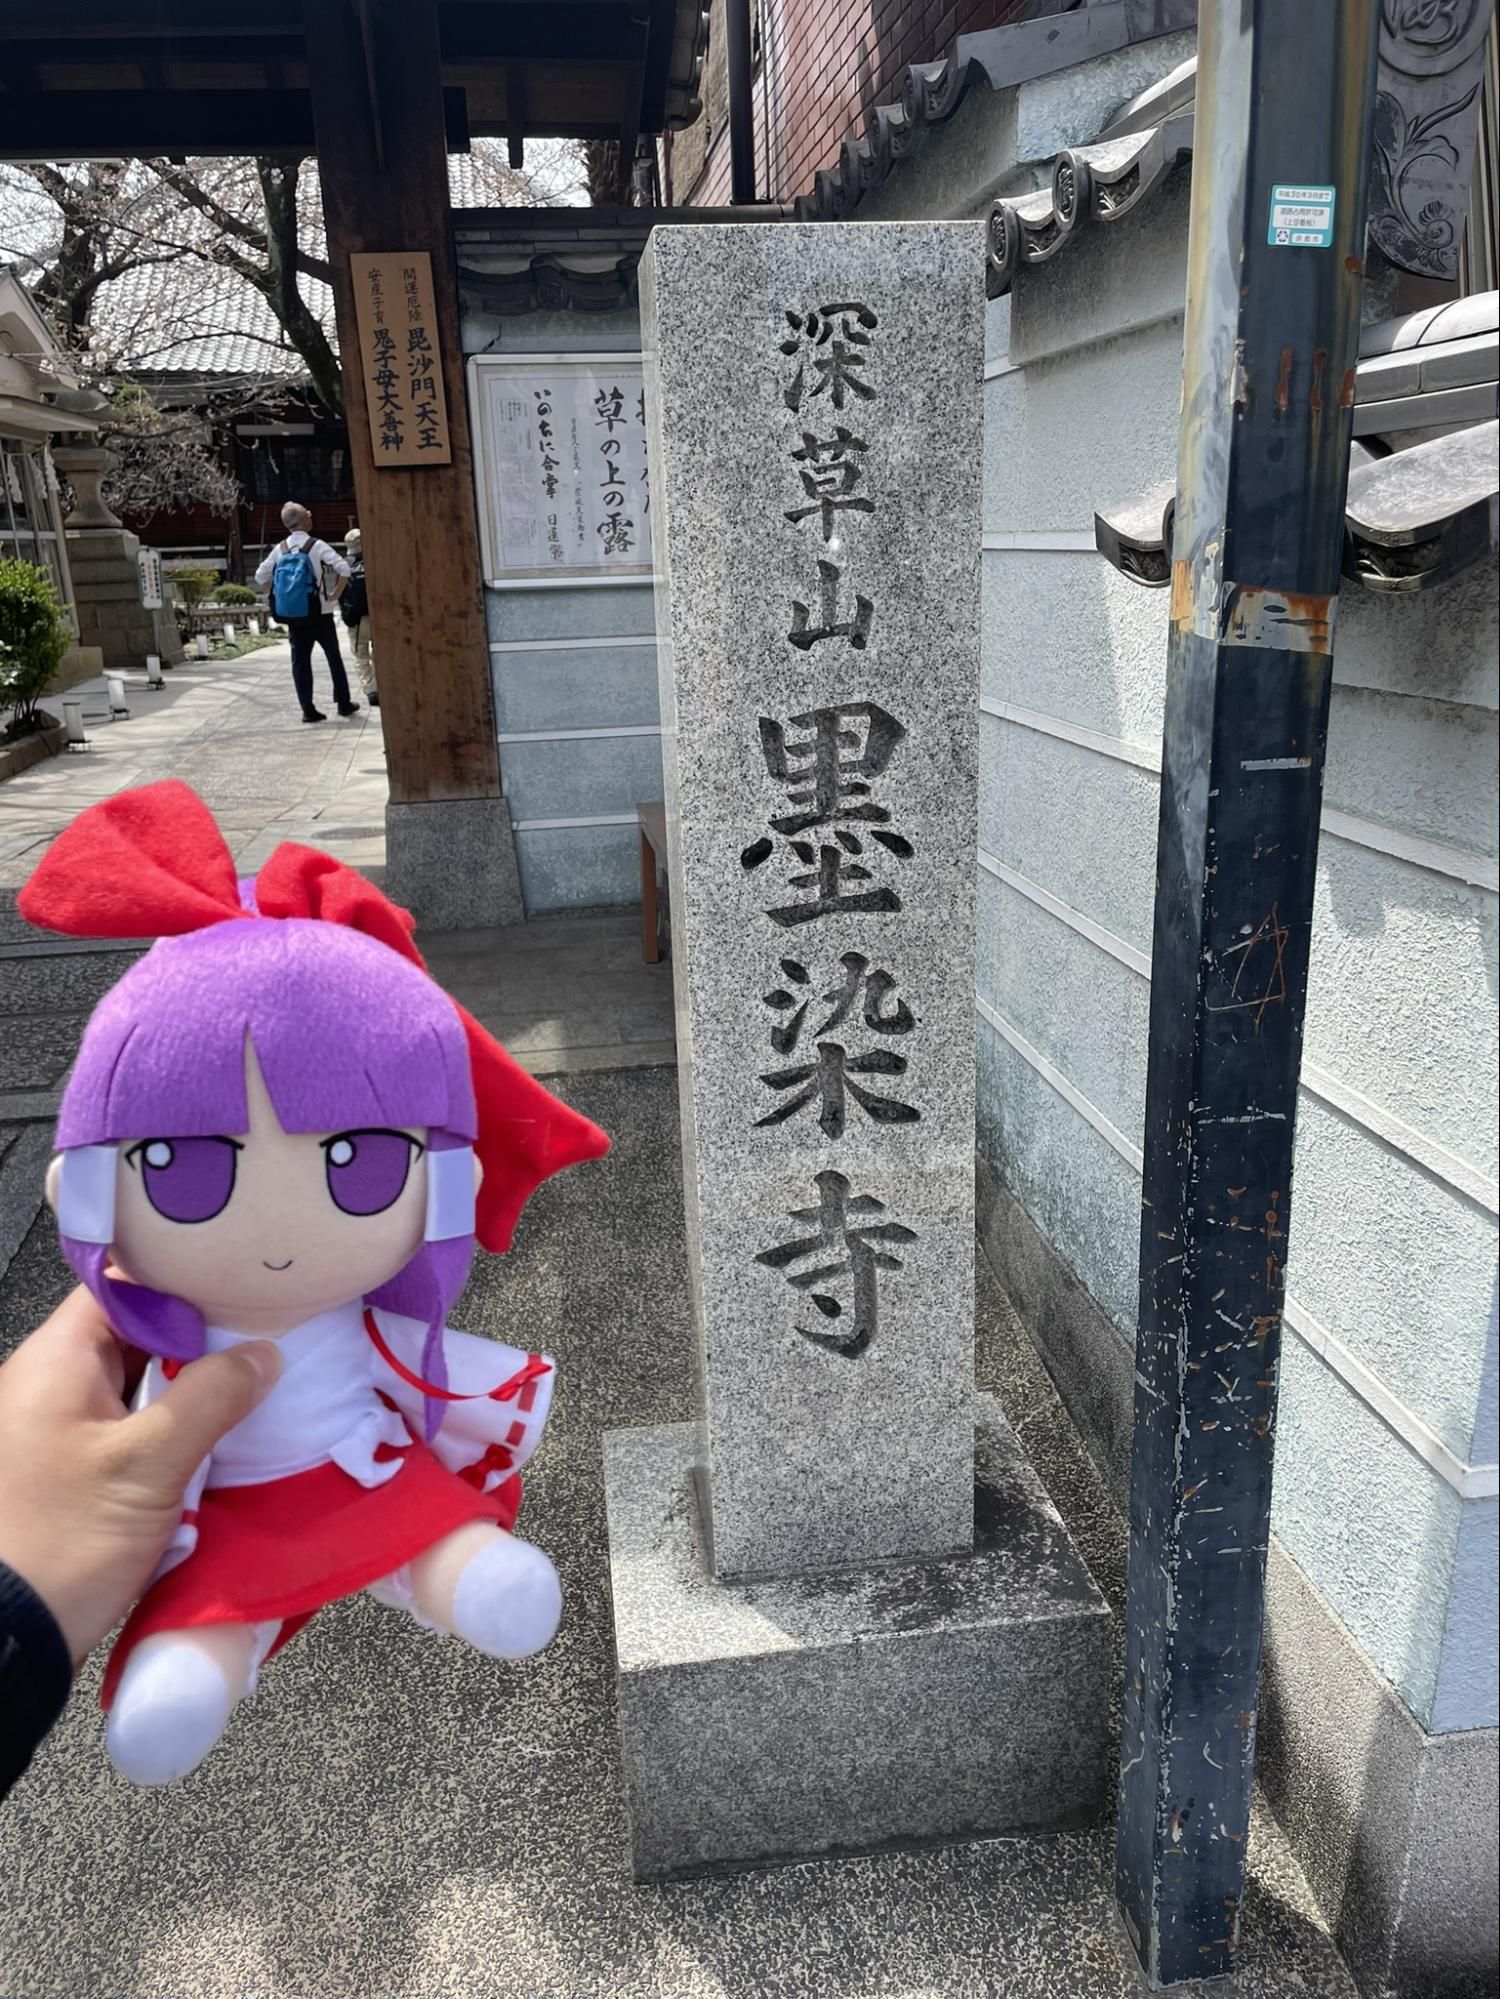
<point x="90" y="1493"/>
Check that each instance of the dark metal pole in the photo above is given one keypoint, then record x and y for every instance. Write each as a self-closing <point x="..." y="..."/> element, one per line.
<point x="741" y="107"/>
<point x="1284" y="102"/>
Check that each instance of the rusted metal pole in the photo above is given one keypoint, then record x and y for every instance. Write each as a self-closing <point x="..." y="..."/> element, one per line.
<point x="1284" y="103"/>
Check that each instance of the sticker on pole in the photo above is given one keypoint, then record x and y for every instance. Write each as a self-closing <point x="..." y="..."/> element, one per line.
<point x="1301" y="217"/>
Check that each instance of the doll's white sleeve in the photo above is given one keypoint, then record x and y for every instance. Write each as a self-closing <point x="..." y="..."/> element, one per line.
<point x="499" y="1433"/>
<point x="184" y="1536"/>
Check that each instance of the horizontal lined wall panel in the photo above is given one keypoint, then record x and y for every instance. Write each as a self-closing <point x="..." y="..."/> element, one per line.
<point x="581" y="778"/>
<point x="1372" y="1526"/>
<point x="574" y="687"/>
<point x="578" y="867"/>
<point x="1371" y="1222"/>
<point x="612" y="610"/>
<point x="1400" y="1000"/>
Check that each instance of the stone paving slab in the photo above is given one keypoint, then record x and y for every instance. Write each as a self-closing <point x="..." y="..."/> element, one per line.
<point x="229" y="728"/>
<point x="23" y="1168"/>
<point x="27" y="1106"/>
<point x="70" y="983"/>
<point x="232" y="730"/>
<point x="36" y="1051"/>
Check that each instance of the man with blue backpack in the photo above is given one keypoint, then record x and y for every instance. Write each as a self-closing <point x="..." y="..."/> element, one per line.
<point x="305" y="579"/>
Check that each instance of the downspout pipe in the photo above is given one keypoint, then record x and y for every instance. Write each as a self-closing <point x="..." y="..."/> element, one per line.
<point x="741" y="104"/>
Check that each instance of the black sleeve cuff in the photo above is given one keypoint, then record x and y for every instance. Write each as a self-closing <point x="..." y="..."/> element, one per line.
<point x="35" y="1674"/>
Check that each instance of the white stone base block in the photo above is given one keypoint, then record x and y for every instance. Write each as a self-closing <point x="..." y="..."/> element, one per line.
<point x="859" y="1708"/>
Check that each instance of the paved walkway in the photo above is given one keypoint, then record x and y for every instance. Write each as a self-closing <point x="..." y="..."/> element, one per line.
<point x="232" y="730"/>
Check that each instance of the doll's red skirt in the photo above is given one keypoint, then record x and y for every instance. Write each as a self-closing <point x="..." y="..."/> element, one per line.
<point x="285" y="1549"/>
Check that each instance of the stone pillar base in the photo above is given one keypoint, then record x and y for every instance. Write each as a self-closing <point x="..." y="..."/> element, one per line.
<point x="107" y="600"/>
<point x="452" y="863"/>
<point x="838" y="1713"/>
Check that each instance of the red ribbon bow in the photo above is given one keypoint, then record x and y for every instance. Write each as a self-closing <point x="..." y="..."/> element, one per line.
<point x="153" y="863"/>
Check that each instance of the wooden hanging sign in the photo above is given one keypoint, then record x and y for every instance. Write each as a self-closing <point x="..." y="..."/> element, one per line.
<point x="398" y="350"/>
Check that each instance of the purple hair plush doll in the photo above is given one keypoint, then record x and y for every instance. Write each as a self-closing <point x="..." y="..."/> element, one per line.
<point x="279" y="1127"/>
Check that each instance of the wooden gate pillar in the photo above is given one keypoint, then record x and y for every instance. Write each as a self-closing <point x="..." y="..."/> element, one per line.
<point x="378" y="114"/>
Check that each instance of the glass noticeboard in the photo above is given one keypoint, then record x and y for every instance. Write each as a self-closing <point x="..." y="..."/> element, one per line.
<point x="560" y="464"/>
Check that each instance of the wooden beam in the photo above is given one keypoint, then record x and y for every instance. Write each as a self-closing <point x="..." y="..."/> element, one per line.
<point x="661" y="37"/>
<point x="515" y="115"/>
<point x="96" y="21"/>
<point x="604" y="30"/>
<point x="109" y="124"/>
<point x="421" y="534"/>
<point x="593" y="30"/>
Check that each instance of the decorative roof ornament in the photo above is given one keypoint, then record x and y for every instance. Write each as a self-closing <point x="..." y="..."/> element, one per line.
<point x="547" y="282"/>
<point x="1020" y="51"/>
<point x="1420" y="516"/>
<point x="685" y="72"/>
<point x="1098" y="183"/>
<point x="1426" y="118"/>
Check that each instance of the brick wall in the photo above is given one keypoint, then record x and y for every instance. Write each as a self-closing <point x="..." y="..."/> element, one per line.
<point x="823" y="67"/>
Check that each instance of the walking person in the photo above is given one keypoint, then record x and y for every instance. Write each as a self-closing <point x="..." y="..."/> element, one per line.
<point x="354" y="607"/>
<point x="306" y="579"/>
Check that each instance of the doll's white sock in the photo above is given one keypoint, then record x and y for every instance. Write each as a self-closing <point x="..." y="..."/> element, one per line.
<point x="507" y="1601"/>
<point x="172" y="1705"/>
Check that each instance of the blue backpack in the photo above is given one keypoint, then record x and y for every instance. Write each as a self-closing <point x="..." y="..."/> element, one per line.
<point x="294" y="584"/>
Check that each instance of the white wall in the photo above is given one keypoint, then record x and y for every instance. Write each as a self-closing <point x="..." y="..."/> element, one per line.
<point x="573" y="670"/>
<point x="1392" y="1267"/>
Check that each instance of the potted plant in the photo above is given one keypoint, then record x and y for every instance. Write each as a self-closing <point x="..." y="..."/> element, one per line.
<point x="34" y="635"/>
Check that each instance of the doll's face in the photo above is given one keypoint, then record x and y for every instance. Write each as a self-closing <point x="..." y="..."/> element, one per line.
<point x="264" y="1229"/>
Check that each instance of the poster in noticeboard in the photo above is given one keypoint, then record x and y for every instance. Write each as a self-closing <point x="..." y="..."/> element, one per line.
<point x="560" y="453"/>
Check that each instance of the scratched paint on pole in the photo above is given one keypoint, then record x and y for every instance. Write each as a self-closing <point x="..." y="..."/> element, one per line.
<point x="1257" y="547"/>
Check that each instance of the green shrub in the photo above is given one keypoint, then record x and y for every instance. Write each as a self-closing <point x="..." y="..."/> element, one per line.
<point x="237" y="593"/>
<point x="193" y="585"/>
<point x="34" y="635"/>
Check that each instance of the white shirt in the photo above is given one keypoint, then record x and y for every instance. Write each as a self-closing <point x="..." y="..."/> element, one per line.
<point x="323" y="1408"/>
<point x="326" y="1406"/>
<point x="324" y="560"/>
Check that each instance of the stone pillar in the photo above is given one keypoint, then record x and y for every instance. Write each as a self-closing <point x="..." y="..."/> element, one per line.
<point x="106" y="575"/>
<point x="814" y="1651"/>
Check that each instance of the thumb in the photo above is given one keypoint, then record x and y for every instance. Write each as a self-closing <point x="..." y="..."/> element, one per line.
<point x="176" y="1431"/>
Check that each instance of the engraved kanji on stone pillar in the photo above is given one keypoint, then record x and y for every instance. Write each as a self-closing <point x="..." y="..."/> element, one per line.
<point x="815" y="486"/>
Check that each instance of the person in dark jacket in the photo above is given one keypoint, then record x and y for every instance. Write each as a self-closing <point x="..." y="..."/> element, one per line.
<point x="354" y="608"/>
<point x="89" y="1493"/>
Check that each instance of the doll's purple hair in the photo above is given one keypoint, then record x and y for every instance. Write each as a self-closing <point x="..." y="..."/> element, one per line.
<point x="346" y="1033"/>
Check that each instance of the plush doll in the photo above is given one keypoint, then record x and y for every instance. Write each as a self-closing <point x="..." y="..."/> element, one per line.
<point x="278" y="1127"/>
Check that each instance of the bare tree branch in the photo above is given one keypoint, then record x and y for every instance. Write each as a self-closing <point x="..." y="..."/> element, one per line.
<point x="80" y="228"/>
<point x="197" y="196"/>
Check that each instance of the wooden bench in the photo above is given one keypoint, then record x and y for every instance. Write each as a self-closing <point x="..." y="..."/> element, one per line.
<point x="653" y="818"/>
